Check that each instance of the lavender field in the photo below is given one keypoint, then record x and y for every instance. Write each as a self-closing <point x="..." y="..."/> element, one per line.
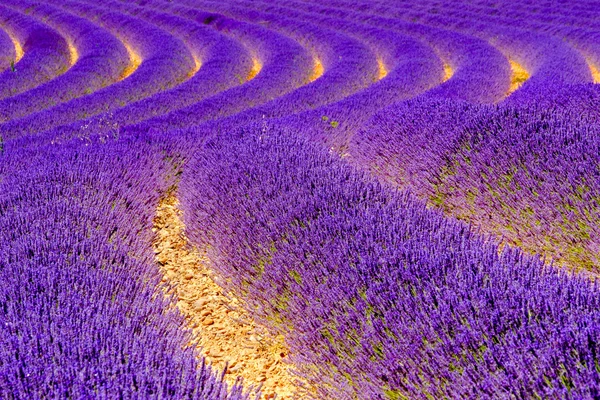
<point x="301" y="199"/>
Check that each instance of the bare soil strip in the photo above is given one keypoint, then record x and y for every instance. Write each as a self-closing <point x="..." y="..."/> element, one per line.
<point x="317" y="71"/>
<point x="518" y="77"/>
<point x="73" y="54"/>
<point x="18" y="48"/>
<point x="448" y="72"/>
<point x="224" y="332"/>
<point x="134" y="62"/>
<point x="595" y="72"/>
<point x="256" y="67"/>
<point x="382" y="70"/>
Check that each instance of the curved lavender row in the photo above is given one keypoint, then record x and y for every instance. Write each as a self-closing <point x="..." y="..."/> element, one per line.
<point x="571" y="23"/>
<point x="526" y="174"/>
<point x="548" y="58"/>
<point x="349" y="65"/>
<point x="370" y="286"/>
<point x="46" y="53"/>
<point x="7" y="51"/>
<point x="414" y="68"/>
<point x="580" y="29"/>
<point x="483" y="67"/>
<point x="285" y="67"/>
<point x="336" y="122"/>
<point x="275" y="110"/>
<point x="95" y="68"/>
<point x="552" y="64"/>
<point x="166" y="62"/>
<point x="533" y="179"/>
<point x="82" y="314"/>
<point x="583" y="39"/>
<point x="224" y="62"/>
<point x="475" y="63"/>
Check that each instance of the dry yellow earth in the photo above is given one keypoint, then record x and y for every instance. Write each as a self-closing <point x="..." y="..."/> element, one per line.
<point x="225" y="332"/>
<point x="448" y="72"/>
<point x="317" y="71"/>
<point x="134" y="62"/>
<point x="518" y="77"/>
<point x="595" y="72"/>
<point x="18" y="49"/>
<point x="256" y="67"/>
<point x="382" y="70"/>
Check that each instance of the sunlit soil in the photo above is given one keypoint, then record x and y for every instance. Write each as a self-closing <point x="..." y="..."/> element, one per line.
<point x="317" y="71"/>
<point x="73" y="54"/>
<point x="595" y="72"/>
<point x="256" y="67"/>
<point x="197" y="65"/>
<point x="518" y="77"/>
<point x="134" y="62"/>
<point x="448" y="72"/>
<point x="382" y="69"/>
<point x="18" y="49"/>
<point x="225" y="332"/>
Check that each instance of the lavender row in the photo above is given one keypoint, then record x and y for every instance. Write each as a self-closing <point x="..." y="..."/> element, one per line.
<point x="580" y="29"/>
<point x="225" y="63"/>
<point x="335" y="123"/>
<point x="95" y="67"/>
<point x="474" y="62"/>
<point x="377" y="296"/>
<point x="481" y="66"/>
<point x="548" y="59"/>
<point x="285" y="66"/>
<point x="348" y="64"/>
<point x="165" y="63"/>
<point x="413" y="68"/>
<point x="82" y="310"/>
<point x="46" y="53"/>
<point x="275" y="108"/>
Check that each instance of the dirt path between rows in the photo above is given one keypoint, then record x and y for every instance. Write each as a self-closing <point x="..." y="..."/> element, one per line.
<point x="224" y="330"/>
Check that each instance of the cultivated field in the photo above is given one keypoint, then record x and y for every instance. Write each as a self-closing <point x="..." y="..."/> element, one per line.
<point x="300" y="199"/>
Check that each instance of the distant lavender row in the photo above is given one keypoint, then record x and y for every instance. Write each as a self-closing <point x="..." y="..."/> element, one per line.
<point x="46" y="53"/>
<point x="225" y="63"/>
<point x="474" y="62"/>
<point x="285" y="66"/>
<point x="96" y="66"/>
<point x="82" y="313"/>
<point x="412" y="66"/>
<point x="378" y="297"/>
<point x="348" y="64"/>
<point x="548" y="59"/>
<point x="165" y="62"/>
<point x="578" y="27"/>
